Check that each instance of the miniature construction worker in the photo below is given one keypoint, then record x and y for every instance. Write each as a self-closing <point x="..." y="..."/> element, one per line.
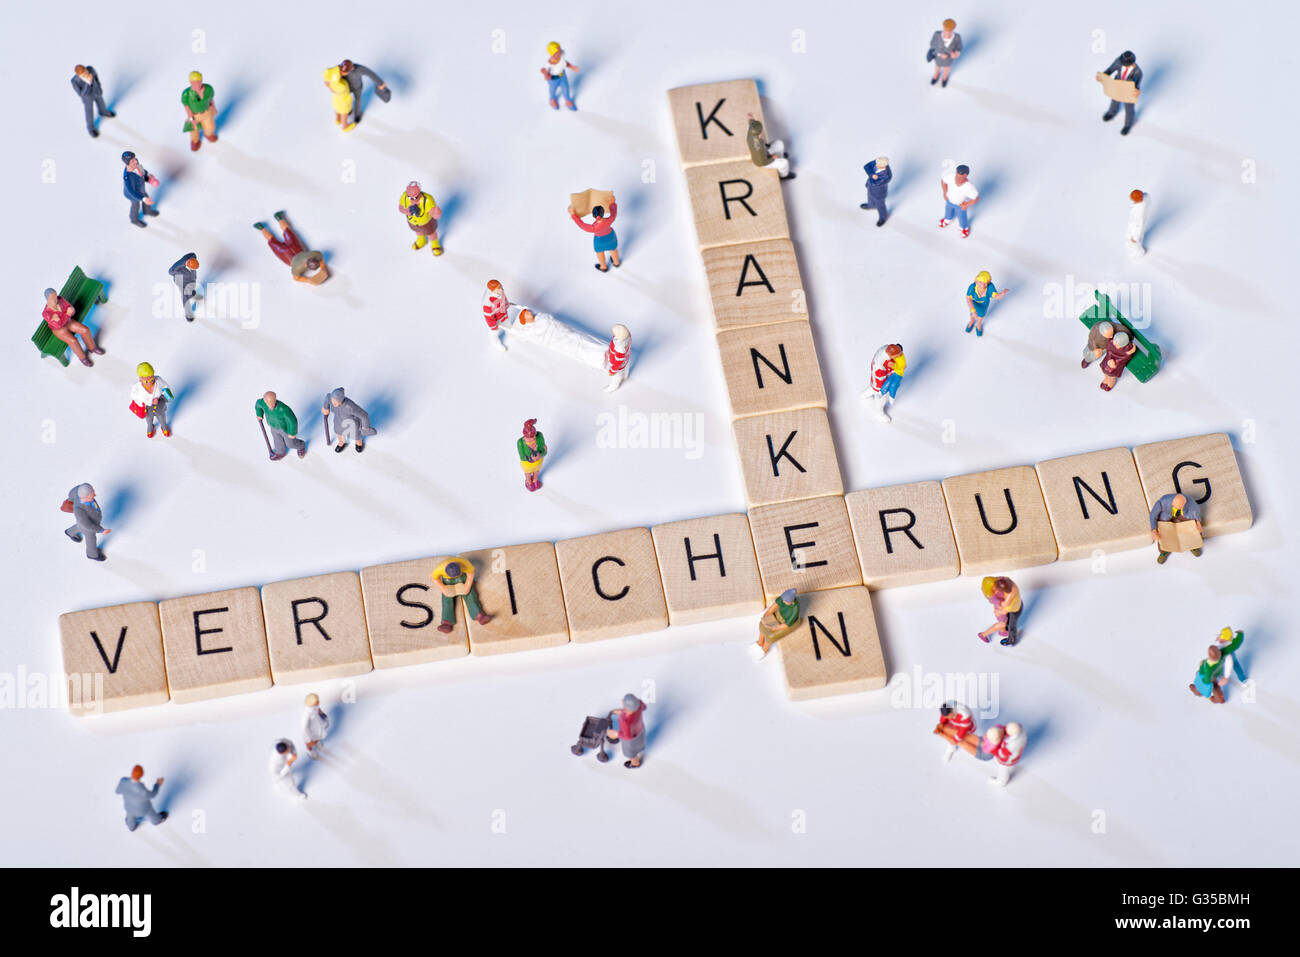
<point x="1174" y="507"/>
<point x="763" y="153"/>
<point x="58" y="315"/>
<point x="1004" y="595"/>
<point x="959" y="195"/>
<point x="353" y="74"/>
<point x="279" y="418"/>
<point x="283" y="754"/>
<point x="306" y="265"/>
<point x="134" y="180"/>
<point x="137" y="800"/>
<point x="979" y="296"/>
<point x="1219" y="665"/>
<point x="531" y="447"/>
<point x="351" y="422"/>
<point x="455" y="578"/>
<point x="1136" y="231"/>
<point x="557" y="83"/>
<point x="496" y="312"/>
<point x="341" y="97"/>
<point x="1124" y="67"/>
<point x="957" y="726"/>
<point x="89" y="520"/>
<point x="315" y="726"/>
<point x="887" y="368"/>
<point x="86" y="83"/>
<point x="149" y="398"/>
<point x="422" y="216"/>
<point x="778" y="620"/>
<point x="185" y="273"/>
<point x="945" y="48"/>
<point x="1006" y="744"/>
<point x="629" y="729"/>
<point x="878" y="176"/>
<point x="200" y="111"/>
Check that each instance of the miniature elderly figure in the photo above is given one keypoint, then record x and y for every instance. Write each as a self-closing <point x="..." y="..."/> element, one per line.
<point x="1098" y="337"/>
<point x="184" y="273"/>
<point x="1124" y="67"/>
<point x="630" y="729"/>
<point x="778" y="620"/>
<point x="150" y="397"/>
<point x="945" y="47"/>
<point x="422" y="214"/>
<point x="887" y="368"/>
<point x="351" y="422"/>
<point x="283" y="755"/>
<point x="762" y="153"/>
<point x="134" y="180"/>
<point x="959" y="195"/>
<point x="1137" y="225"/>
<point x="878" y="176"/>
<point x="58" y="315"/>
<point x="979" y="296"/>
<point x="86" y="83"/>
<point x="315" y="726"/>
<point x="306" y="265"/>
<point x="1173" y="509"/>
<point x="81" y="503"/>
<point x="1006" y="743"/>
<point x="354" y="74"/>
<point x="455" y="579"/>
<point x="557" y="83"/>
<point x="200" y="111"/>
<point x="280" y="419"/>
<point x="531" y="447"/>
<point x="137" y="800"/>
<point x="1120" y="348"/>
<point x="957" y="726"/>
<point x="1004" y="595"/>
<point x="1219" y="665"/>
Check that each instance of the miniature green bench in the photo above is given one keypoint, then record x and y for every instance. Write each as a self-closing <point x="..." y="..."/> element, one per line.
<point x="84" y="293"/>
<point x="1146" y="361"/>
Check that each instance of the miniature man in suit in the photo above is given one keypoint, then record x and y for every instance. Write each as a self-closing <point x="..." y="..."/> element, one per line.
<point x="354" y="73"/>
<point x="184" y="273"/>
<point x="878" y="176"/>
<point x="138" y="800"/>
<point x="350" y="420"/>
<point x="134" y="180"/>
<point x="1124" y="68"/>
<point x="86" y="83"/>
<point x="89" y="520"/>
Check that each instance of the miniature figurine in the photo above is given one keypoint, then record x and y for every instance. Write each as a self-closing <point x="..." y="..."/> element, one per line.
<point x="58" y="315"/>
<point x="544" y="329"/>
<point x="315" y="726"/>
<point x="496" y="312"/>
<point x="86" y="83"/>
<point x="184" y="273"/>
<point x="1006" y="744"/>
<point x="455" y="578"/>
<point x="887" y="368"/>
<point x="959" y="195"/>
<point x="762" y="153"/>
<point x="283" y="754"/>
<point x="134" y="180"/>
<point x="422" y="214"/>
<point x="945" y="47"/>
<point x="1169" y="525"/>
<point x="354" y="73"/>
<point x="306" y="265"/>
<point x="778" y="620"/>
<point x="84" y="508"/>
<point x="200" y="111"/>
<point x="1098" y="336"/>
<point x="351" y="422"/>
<point x="1004" y="595"/>
<point x="137" y="800"/>
<point x="630" y="729"/>
<point x="957" y="726"/>
<point x="603" y="238"/>
<point x="878" y="176"/>
<point x="979" y="296"/>
<point x="1125" y="69"/>
<point x="283" y="424"/>
<point x="341" y="99"/>
<point x="149" y="398"/>
<point x="531" y="447"/>
<point x="557" y="83"/>
<point x="1119" y="349"/>
<point x="1219" y="665"/>
<point x="1137" y="225"/>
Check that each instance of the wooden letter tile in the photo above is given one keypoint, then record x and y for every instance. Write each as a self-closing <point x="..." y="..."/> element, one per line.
<point x="519" y="586"/>
<point x="903" y="535"/>
<point x="711" y="120"/>
<point x="611" y="585"/>
<point x="751" y="284"/>
<point x="771" y="369"/>
<point x="736" y="203"/>
<point x="835" y="649"/>
<point x="403" y="610"/>
<point x="1095" y="502"/>
<point x="113" y="658"/>
<point x="215" y="644"/>
<point x="1203" y="468"/>
<point x="999" y="520"/>
<point x="316" y="628"/>
<point x="805" y="545"/>
<point x="787" y="456"/>
<point x="708" y="569"/>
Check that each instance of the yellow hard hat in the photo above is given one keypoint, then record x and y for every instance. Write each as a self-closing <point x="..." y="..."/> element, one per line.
<point x="983" y="276"/>
<point x="196" y="76"/>
<point x="144" y="370"/>
<point x="552" y="48"/>
<point x="1225" y="635"/>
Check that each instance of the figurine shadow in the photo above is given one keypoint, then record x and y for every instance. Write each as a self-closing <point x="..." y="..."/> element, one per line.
<point x="1037" y="735"/>
<point x="579" y="80"/>
<point x="1259" y="636"/>
<point x="454" y="204"/>
<point x="1154" y="79"/>
<point x="218" y="266"/>
<point x="235" y="97"/>
<point x="665" y="713"/>
<point x="988" y="184"/>
<point x="126" y="498"/>
<point x="123" y="84"/>
<point x="176" y="782"/>
<point x="195" y="380"/>
<point x="397" y="77"/>
<point x="968" y="47"/>
<point x="899" y="184"/>
<point x="383" y="409"/>
<point x="174" y="172"/>
<point x="920" y="366"/>
<point x="1166" y="214"/>
<point x="1027" y="608"/>
<point x="632" y="207"/>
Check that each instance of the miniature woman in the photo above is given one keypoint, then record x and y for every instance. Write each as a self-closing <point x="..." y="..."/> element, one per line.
<point x="532" y="450"/>
<point x="1119" y="349"/>
<point x="1004" y="595"/>
<point x="604" y="239"/>
<point x="979" y="296"/>
<point x="342" y="97"/>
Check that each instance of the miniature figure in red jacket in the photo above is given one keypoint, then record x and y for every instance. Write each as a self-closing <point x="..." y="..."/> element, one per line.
<point x="604" y="239"/>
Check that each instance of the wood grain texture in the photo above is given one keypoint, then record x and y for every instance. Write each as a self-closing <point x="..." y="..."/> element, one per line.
<point x="902" y="535"/>
<point x="519" y="586"/>
<point x="736" y="203"/>
<point x="215" y="644"/>
<point x="316" y="628"/>
<point x="836" y="648"/>
<point x="787" y="456"/>
<point x="999" y="520"/>
<point x="403" y="609"/>
<point x="708" y="569"/>
<point x="1095" y="502"/>
<point x="113" y="658"/>
<point x="611" y="585"/>
<point x="806" y="545"/>
<point x="1204" y="468"/>
<point x="710" y="120"/>
<point x="771" y="368"/>
<point x="753" y="284"/>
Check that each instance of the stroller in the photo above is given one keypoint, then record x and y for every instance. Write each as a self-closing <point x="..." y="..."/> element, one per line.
<point x="592" y="735"/>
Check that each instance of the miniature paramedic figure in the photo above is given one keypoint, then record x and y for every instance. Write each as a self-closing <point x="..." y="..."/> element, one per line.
<point x="979" y="296"/>
<point x="200" y="111"/>
<point x="762" y="153"/>
<point x="557" y="84"/>
<point x="1004" y="596"/>
<point x="282" y="422"/>
<point x="184" y="273"/>
<point x="137" y="800"/>
<point x="351" y="422"/>
<point x="887" y="368"/>
<point x="959" y="195"/>
<point x="58" y="315"/>
<point x="89" y="520"/>
<point x="282" y="757"/>
<point x="945" y="47"/>
<point x="86" y="84"/>
<point x="306" y="265"/>
<point x="603" y="238"/>
<point x="1006" y="744"/>
<point x="1124" y="67"/>
<point x="630" y="729"/>
<point x="150" y="397"/>
<point x="134" y="180"/>
<point x="778" y="620"/>
<point x="1120" y="347"/>
<point x="422" y="213"/>
<point x="1137" y="225"/>
<point x="1220" y="664"/>
<point x="1174" y="507"/>
<point x="455" y="577"/>
<point x="955" y="723"/>
<point x="878" y="176"/>
<point x="531" y="447"/>
<point x="315" y="726"/>
<point x="496" y="312"/>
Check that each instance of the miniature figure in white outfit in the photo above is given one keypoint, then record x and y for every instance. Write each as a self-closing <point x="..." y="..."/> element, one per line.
<point x="543" y="329"/>
<point x="282" y="757"/>
<point x="315" y="726"/>
<point x="955" y="722"/>
<point x="1006" y="743"/>
<point x="1137" y="225"/>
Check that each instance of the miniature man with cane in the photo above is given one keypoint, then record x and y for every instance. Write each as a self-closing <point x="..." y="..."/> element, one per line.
<point x="283" y="424"/>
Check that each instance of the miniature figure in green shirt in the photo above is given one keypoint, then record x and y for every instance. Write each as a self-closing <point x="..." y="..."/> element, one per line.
<point x="1212" y="674"/>
<point x="779" y="619"/>
<point x="532" y="450"/>
<point x="279" y="418"/>
<point x="455" y="578"/>
<point x="200" y="111"/>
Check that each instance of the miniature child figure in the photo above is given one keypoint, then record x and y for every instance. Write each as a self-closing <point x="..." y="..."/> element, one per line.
<point x="422" y="214"/>
<point x="58" y="315"/>
<point x="200" y="111"/>
<point x="134" y="180"/>
<point x="184" y="273"/>
<point x="496" y="312"/>
<point x="455" y="577"/>
<point x="137" y="800"/>
<point x="762" y="153"/>
<point x="1120" y="347"/>
<point x="945" y="47"/>
<point x="1098" y="337"/>
<point x="556" y="81"/>
<point x="1137" y="225"/>
<point x="351" y="422"/>
<point x="887" y="368"/>
<point x="283" y="754"/>
<point x="531" y="447"/>
<point x="957" y="725"/>
<point x="149" y="398"/>
<point x="601" y="227"/>
<point x="315" y="726"/>
<point x="1124" y="67"/>
<point x="1004" y="595"/>
<point x="778" y="620"/>
<point x="979" y="296"/>
<point x="86" y="83"/>
<point x="1174" y="509"/>
<point x="354" y="74"/>
<point x="341" y="97"/>
<point x="1219" y="665"/>
<point x="306" y="265"/>
<point x="283" y="425"/>
<point x="878" y="176"/>
<point x="630" y="729"/>
<point x="89" y="520"/>
<point x="1006" y="744"/>
<point x="959" y="195"/>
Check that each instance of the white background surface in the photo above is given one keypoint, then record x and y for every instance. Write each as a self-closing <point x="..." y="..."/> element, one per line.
<point x="428" y="758"/>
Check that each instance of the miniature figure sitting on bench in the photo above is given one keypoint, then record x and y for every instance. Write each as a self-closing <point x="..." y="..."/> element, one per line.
<point x="60" y="326"/>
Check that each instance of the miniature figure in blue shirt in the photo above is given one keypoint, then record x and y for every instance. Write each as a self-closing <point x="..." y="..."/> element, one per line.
<point x="138" y="799"/>
<point x="134" y="180"/>
<point x="1174" y="507"/>
<point x="878" y="176"/>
